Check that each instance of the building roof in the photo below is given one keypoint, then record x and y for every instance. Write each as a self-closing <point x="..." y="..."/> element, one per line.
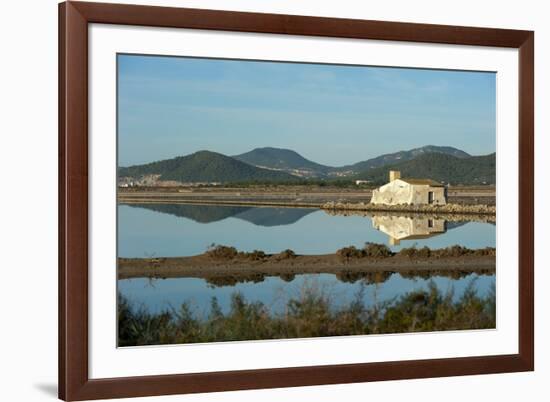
<point x="426" y="182"/>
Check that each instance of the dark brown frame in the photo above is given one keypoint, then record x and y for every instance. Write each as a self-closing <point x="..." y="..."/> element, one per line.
<point x="74" y="17"/>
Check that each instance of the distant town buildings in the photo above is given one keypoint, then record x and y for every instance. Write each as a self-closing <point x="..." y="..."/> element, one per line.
<point x="154" y="181"/>
<point x="409" y="191"/>
<point x="360" y="182"/>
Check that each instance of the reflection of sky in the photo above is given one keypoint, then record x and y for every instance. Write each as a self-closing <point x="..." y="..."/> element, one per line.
<point x="157" y="295"/>
<point x="144" y="232"/>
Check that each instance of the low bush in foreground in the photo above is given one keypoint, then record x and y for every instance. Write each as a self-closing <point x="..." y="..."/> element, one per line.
<point x="452" y="251"/>
<point x="372" y="250"/>
<point x="220" y="252"/>
<point x="311" y="314"/>
<point x="286" y="255"/>
<point x="377" y="250"/>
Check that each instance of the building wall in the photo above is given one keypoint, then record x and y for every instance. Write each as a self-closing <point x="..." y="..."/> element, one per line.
<point x="420" y="195"/>
<point x="400" y="192"/>
<point x="394" y="193"/>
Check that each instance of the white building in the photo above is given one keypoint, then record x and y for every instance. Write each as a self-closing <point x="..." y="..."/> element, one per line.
<point x="409" y="191"/>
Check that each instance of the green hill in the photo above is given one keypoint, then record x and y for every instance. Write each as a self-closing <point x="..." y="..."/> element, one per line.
<point x="205" y="166"/>
<point x="440" y="167"/>
<point x="403" y="156"/>
<point x="283" y="159"/>
<point x="274" y="165"/>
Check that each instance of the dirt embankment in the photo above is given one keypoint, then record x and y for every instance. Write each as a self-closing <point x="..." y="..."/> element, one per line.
<point x="448" y="209"/>
<point x="282" y="196"/>
<point x="348" y="261"/>
<point x="454" y="217"/>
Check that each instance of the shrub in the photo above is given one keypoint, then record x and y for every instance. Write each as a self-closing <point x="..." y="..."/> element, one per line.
<point x="286" y="254"/>
<point x="220" y="252"/>
<point x="256" y="255"/>
<point x="377" y="250"/>
<point x="485" y="251"/>
<point x="413" y="252"/>
<point x="311" y="313"/>
<point x="350" y="252"/>
<point x="453" y="251"/>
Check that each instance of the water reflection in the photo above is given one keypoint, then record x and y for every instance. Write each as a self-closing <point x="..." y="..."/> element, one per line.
<point x="173" y="230"/>
<point x="260" y="216"/>
<point x="309" y="306"/>
<point x="408" y="228"/>
<point x="275" y="291"/>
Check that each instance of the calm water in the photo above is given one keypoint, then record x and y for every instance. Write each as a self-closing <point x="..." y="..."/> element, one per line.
<point x="182" y="230"/>
<point x="159" y="294"/>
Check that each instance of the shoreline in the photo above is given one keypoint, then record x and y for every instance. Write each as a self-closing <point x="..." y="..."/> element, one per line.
<point x="244" y="203"/>
<point x="463" y="202"/>
<point x="447" y="209"/>
<point x="455" y="212"/>
<point x="450" y="217"/>
<point x="207" y="267"/>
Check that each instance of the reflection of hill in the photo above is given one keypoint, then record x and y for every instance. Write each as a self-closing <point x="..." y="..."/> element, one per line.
<point x="213" y="213"/>
<point x="274" y="216"/>
<point x="197" y="213"/>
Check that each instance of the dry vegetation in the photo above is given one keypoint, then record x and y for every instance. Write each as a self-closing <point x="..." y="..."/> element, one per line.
<point x="311" y="314"/>
<point x="381" y="251"/>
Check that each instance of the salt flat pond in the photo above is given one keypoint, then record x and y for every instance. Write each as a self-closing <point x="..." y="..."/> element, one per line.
<point x="175" y="230"/>
<point x="171" y="230"/>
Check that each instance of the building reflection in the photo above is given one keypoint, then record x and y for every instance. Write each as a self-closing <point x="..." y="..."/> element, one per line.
<point x="409" y="228"/>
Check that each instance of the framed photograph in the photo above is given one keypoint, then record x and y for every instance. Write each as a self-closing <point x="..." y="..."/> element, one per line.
<point x="259" y="200"/>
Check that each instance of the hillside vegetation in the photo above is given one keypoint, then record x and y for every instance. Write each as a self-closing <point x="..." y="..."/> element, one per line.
<point x="440" y="167"/>
<point x="205" y="166"/>
<point x="292" y="162"/>
<point x="284" y="159"/>
<point x="404" y="156"/>
<point x="277" y="166"/>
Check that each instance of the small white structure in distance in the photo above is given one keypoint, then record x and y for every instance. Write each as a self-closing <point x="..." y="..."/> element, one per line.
<point x="409" y="191"/>
<point x="359" y="182"/>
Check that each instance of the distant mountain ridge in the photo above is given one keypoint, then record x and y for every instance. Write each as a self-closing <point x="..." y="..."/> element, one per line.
<point x="283" y="159"/>
<point x="293" y="163"/>
<point x="205" y="166"/>
<point x="278" y="165"/>
<point x="403" y="156"/>
<point x="440" y="167"/>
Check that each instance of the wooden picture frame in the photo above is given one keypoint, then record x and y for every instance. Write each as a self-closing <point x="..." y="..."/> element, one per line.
<point x="74" y="381"/>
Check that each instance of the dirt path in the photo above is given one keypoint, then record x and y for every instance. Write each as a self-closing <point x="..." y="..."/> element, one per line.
<point x="204" y="266"/>
<point x="283" y="196"/>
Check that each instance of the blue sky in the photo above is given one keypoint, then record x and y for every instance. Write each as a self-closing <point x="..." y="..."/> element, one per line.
<point x="331" y="114"/>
